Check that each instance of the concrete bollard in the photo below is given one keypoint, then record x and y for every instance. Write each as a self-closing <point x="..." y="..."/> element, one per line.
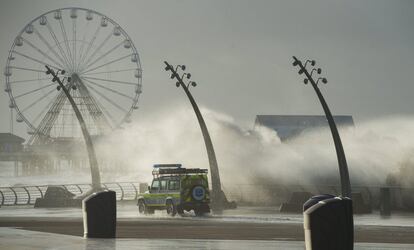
<point x="328" y="223"/>
<point x="99" y="215"/>
<point x="385" y="201"/>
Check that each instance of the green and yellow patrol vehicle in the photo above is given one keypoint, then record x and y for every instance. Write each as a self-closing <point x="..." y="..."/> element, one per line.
<point x="176" y="189"/>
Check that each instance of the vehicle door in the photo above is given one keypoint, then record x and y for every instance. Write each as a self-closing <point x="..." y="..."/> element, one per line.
<point x="174" y="189"/>
<point x="152" y="198"/>
<point x="163" y="192"/>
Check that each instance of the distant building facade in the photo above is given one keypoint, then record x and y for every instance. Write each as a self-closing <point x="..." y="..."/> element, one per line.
<point x="10" y="143"/>
<point x="291" y="126"/>
<point x="11" y="151"/>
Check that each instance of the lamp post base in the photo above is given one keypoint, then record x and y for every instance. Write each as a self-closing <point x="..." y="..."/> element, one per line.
<point x="220" y="203"/>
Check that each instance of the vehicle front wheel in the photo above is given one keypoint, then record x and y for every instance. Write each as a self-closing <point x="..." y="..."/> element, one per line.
<point x="171" y="208"/>
<point x="144" y="209"/>
<point x="141" y="207"/>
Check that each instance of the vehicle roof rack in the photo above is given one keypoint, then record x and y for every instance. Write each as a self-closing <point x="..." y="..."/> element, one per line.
<point x="178" y="171"/>
<point x="167" y="165"/>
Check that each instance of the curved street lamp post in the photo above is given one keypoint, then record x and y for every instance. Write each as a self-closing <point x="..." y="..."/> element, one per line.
<point x="343" y="167"/>
<point x="218" y="196"/>
<point x="335" y="214"/>
<point x="96" y="179"/>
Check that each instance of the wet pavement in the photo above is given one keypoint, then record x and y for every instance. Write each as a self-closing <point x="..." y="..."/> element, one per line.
<point x="11" y="239"/>
<point x="273" y="230"/>
<point x="128" y="211"/>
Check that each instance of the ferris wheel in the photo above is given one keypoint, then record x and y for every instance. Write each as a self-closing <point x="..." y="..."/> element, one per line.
<point x="100" y="63"/>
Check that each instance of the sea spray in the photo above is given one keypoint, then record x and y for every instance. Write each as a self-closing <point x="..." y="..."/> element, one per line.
<point x="374" y="149"/>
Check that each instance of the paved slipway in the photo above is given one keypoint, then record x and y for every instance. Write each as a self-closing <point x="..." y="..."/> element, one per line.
<point x="244" y="228"/>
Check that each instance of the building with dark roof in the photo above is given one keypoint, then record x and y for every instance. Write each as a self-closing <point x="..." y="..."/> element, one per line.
<point x="290" y="126"/>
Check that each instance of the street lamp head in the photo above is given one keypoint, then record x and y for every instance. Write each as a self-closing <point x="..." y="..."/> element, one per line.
<point x="183" y="67"/>
<point x="168" y="68"/>
<point x="54" y="79"/>
<point x="295" y="63"/>
<point x="323" y="79"/>
<point x="305" y="81"/>
<point x="177" y="84"/>
<point x="193" y="84"/>
<point x="188" y="76"/>
<point x="74" y="87"/>
<point x="69" y="79"/>
<point x="62" y="72"/>
<point x="172" y="76"/>
<point x="319" y="71"/>
<point x="47" y="72"/>
<point x="300" y="72"/>
<point x="312" y="62"/>
<point x="58" y="88"/>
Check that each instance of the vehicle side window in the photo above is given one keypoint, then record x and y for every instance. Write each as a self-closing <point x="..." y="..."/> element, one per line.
<point x="155" y="185"/>
<point x="163" y="185"/>
<point x="174" y="185"/>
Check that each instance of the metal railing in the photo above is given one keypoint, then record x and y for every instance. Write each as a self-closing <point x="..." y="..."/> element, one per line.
<point x="254" y="194"/>
<point x="27" y="195"/>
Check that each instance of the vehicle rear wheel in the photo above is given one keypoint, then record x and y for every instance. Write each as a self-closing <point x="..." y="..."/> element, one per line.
<point x="171" y="208"/>
<point x="180" y="210"/>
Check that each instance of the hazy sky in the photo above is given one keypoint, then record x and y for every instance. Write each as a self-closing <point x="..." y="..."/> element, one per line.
<point x="240" y="52"/>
